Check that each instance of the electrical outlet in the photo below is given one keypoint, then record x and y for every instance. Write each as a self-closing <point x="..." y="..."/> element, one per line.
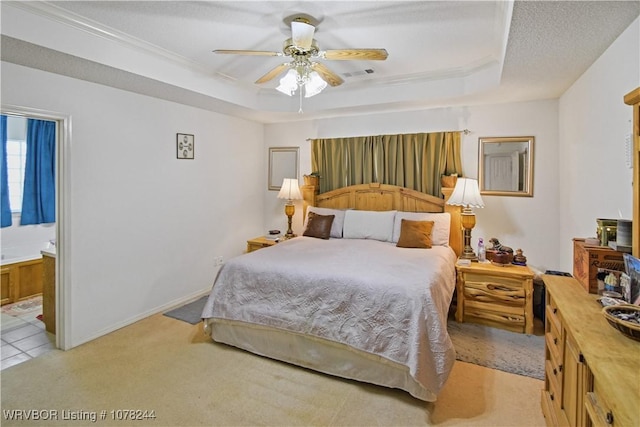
<point x="219" y="261"/>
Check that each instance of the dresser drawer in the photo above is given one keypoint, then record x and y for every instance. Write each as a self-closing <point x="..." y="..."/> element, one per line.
<point x="553" y="388"/>
<point x="601" y="412"/>
<point x="548" y="410"/>
<point x="553" y="364"/>
<point x="553" y="336"/>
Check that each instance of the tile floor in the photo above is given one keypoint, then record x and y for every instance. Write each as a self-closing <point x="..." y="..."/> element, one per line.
<point x="23" y="337"/>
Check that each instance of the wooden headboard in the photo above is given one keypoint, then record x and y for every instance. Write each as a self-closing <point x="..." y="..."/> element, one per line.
<point x="383" y="197"/>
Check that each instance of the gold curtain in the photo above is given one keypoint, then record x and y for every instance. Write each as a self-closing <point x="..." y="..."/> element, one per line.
<point x="414" y="161"/>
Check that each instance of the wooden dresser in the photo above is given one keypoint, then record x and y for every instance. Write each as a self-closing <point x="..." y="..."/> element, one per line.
<point x="592" y="371"/>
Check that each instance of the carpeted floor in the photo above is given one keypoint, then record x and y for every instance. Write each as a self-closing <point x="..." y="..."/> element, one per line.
<point x="481" y="345"/>
<point x="173" y="369"/>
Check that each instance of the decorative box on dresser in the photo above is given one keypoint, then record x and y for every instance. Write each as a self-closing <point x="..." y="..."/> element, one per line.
<point x="587" y="259"/>
<point x="592" y="371"/>
<point x="496" y="296"/>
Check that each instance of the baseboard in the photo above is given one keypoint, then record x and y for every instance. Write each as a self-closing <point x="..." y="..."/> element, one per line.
<point x="164" y="307"/>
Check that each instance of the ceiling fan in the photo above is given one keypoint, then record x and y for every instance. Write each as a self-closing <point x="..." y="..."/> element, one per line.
<point x="303" y="68"/>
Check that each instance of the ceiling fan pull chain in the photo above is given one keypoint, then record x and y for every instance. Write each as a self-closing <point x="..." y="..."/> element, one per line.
<point x="300" y="91"/>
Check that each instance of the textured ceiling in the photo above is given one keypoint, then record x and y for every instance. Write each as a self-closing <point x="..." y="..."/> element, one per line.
<point x="440" y="52"/>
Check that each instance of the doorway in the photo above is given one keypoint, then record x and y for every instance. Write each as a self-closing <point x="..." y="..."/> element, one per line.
<point x="61" y="276"/>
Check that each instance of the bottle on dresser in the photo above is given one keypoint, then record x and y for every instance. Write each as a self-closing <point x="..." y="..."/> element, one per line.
<point x="482" y="252"/>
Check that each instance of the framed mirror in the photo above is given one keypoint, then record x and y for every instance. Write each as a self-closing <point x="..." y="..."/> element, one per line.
<point x="283" y="163"/>
<point x="505" y="166"/>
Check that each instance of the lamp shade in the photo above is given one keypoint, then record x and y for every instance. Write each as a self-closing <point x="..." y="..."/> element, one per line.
<point x="466" y="193"/>
<point x="290" y="190"/>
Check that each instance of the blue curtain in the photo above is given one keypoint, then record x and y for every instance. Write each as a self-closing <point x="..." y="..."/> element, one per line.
<point x="5" y="213"/>
<point x="39" y="196"/>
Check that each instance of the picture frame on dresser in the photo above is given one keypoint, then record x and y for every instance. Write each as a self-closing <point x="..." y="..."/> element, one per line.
<point x="632" y="268"/>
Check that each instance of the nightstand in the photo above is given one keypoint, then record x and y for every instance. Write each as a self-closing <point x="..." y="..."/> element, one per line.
<point x="496" y="296"/>
<point x="259" y="243"/>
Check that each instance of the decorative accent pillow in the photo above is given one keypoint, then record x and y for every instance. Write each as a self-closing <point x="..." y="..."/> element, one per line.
<point x="369" y="225"/>
<point x="441" y="227"/>
<point x="338" y="221"/>
<point x="415" y="234"/>
<point x="318" y="226"/>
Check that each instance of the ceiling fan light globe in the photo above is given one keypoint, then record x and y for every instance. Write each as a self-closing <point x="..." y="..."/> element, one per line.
<point x="314" y="85"/>
<point x="289" y="83"/>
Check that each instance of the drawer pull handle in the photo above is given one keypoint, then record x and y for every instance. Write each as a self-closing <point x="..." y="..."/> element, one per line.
<point x="609" y="417"/>
<point x="560" y="368"/>
<point x="555" y="341"/>
<point x="555" y="310"/>
<point x="551" y="396"/>
<point x="555" y="372"/>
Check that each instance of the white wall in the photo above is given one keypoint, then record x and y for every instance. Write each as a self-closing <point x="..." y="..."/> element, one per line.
<point x="594" y="121"/>
<point x="520" y="222"/>
<point x="145" y="227"/>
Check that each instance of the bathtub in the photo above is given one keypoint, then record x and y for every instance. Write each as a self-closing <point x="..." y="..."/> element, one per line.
<point x="16" y="254"/>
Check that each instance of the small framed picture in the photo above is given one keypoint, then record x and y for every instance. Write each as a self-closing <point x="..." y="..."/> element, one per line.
<point x="185" y="146"/>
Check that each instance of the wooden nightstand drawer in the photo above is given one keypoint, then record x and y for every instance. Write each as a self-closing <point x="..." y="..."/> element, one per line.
<point x="494" y="289"/>
<point x="259" y="243"/>
<point x="496" y="296"/>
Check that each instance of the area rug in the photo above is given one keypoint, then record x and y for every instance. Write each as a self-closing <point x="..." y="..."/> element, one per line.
<point x="23" y="307"/>
<point x="190" y="313"/>
<point x="494" y="348"/>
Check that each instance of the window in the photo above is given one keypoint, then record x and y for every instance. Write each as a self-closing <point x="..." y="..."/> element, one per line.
<point x="16" y="160"/>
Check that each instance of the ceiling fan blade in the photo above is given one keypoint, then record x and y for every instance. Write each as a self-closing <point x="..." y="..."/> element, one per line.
<point x="302" y="34"/>
<point x="248" y="52"/>
<point x="327" y="75"/>
<point x="349" y="54"/>
<point x="273" y="73"/>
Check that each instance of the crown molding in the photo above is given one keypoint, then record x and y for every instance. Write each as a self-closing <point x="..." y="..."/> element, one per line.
<point x="55" y="13"/>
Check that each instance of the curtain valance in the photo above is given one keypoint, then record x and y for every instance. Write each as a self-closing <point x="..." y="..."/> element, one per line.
<point x="415" y="161"/>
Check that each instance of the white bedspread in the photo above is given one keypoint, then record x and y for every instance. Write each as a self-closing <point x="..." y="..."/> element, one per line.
<point x="370" y="295"/>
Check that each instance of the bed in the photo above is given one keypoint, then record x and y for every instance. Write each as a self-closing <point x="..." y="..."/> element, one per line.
<point x="353" y="305"/>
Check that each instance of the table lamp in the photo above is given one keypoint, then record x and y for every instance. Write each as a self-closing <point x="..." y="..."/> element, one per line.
<point x="289" y="191"/>
<point x="467" y="195"/>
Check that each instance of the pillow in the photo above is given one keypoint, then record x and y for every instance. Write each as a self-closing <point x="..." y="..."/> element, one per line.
<point x="338" y="221"/>
<point x="318" y="226"/>
<point x="369" y="225"/>
<point x="441" y="226"/>
<point x="415" y="234"/>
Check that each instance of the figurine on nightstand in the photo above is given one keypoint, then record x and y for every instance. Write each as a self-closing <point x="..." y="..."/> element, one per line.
<point x="519" y="259"/>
